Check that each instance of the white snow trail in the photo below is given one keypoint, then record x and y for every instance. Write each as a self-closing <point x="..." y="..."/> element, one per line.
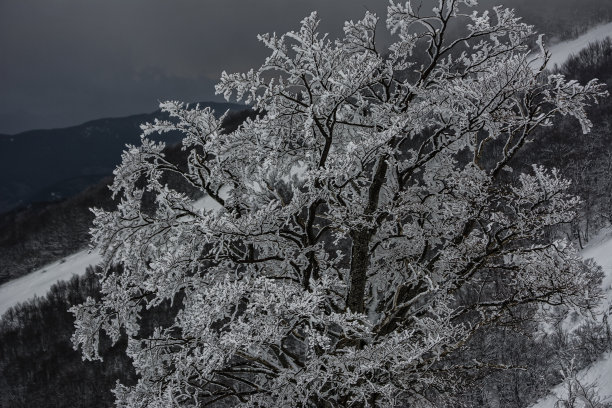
<point x="40" y="281"/>
<point x="562" y="51"/>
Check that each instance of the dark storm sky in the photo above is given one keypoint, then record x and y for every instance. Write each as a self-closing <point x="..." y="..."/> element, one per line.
<point x="63" y="62"/>
<point x="67" y="61"/>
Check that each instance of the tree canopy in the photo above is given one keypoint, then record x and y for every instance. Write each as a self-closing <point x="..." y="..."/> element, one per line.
<point x="366" y="224"/>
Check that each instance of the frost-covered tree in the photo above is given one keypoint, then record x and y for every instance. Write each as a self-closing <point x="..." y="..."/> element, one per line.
<point x="364" y="228"/>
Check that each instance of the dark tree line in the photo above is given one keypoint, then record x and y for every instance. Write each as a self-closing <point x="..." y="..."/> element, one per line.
<point x="586" y="160"/>
<point x="44" y="232"/>
<point x="38" y="366"/>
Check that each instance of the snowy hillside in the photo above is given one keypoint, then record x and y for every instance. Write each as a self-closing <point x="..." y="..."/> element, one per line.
<point x="560" y="52"/>
<point x="600" y="373"/>
<point x="39" y="282"/>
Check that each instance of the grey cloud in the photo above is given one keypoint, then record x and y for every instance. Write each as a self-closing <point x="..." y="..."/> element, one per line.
<point x="66" y="61"/>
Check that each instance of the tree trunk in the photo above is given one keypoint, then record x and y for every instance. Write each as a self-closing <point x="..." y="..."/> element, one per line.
<point x="360" y="261"/>
<point x="360" y="252"/>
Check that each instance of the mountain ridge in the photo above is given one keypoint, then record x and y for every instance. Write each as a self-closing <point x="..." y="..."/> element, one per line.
<point x="52" y="164"/>
<point x="226" y="105"/>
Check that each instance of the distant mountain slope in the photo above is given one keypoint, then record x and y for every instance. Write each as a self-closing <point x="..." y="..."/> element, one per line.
<point x="39" y="233"/>
<point x="599" y="374"/>
<point x="40" y="281"/>
<point x="50" y="164"/>
<point x="561" y="51"/>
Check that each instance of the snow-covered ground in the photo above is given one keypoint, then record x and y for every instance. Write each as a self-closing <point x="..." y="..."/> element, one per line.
<point x="39" y="282"/>
<point x="601" y="251"/>
<point x="209" y="203"/>
<point x="600" y="373"/>
<point x="561" y="51"/>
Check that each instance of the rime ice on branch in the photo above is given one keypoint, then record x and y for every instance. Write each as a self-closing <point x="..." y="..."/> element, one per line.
<point x="352" y="282"/>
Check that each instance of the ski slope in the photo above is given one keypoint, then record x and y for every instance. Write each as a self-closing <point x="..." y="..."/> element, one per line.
<point x="39" y="282"/>
<point x="600" y="373"/>
<point x="562" y="51"/>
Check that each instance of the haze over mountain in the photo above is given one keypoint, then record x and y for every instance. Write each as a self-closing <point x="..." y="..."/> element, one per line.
<point x="71" y="61"/>
<point x="51" y="164"/>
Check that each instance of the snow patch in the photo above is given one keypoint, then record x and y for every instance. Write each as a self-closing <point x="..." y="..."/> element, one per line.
<point x="39" y="282"/>
<point x="600" y="373"/>
<point x="562" y="51"/>
<point x="207" y="203"/>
